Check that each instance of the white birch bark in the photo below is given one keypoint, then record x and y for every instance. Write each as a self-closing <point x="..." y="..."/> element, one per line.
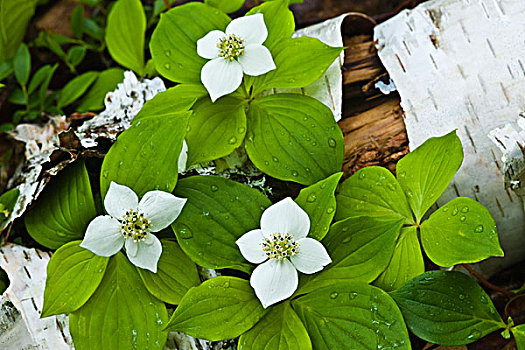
<point x="459" y="64"/>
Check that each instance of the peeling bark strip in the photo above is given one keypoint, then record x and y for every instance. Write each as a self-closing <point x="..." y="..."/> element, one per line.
<point x="469" y="81"/>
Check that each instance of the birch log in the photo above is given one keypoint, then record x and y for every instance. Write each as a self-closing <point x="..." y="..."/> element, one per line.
<point x="459" y="64"/>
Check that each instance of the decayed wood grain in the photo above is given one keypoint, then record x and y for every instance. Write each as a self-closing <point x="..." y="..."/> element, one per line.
<point x="372" y="123"/>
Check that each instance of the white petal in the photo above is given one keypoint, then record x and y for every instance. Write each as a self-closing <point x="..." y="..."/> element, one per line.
<point x="207" y="45"/>
<point x="274" y="281"/>
<point x="146" y="255"/>
<point x="183" y="157"/>
<point x="251" y="29"/>
<point x="257" y="60"/>
<point x="131" y="247"/>
<point x="285" y="216"/>
<point x="312" y="256"/>
<point x="161" y="208"/>
<point x="120" y="199"/>
<point x="103" y="236"/>
<point x="250" y="245"/>
<point x="221" y="77"/>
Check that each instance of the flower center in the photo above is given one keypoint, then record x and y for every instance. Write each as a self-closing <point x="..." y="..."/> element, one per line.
<point x="231" y="47"/>
<point x="280" y="246"/>
<point x="134" y="225"/>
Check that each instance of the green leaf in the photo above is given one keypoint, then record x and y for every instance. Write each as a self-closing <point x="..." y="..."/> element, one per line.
<point x="64" y="209"/>
<point x="372" y="191"/>
<point x="76" y="55"/>
<point x="22" y="65"/>
<point x="447" y="308"/>
<point x="176" y="99"/>
<point x="14" y="17"/>
<point x="279" y="329"/>
<point x="38" y="78"/>
<point x="176" y="274"/>
<point x="278" y="19"/>
<point x="107" y="81"/>
<point x="406" y="263"/>
<point x="146" y="155"/>
<point x="226" y="6"/>
<point x="426" y="172"/>
<point x="125" y="33"/>
<point x="300" y="62"/>
<point x="77" y="21"/>
<point x="352" y="315"/>
<point x="218" y="309"/>
<point x="360" y="248"/>
<point x="6" y="69"/>
<point x="461" y="231"/>
<point x="174" y="42"/>
<point x="217" y="213"/>
<point x="318" y="201"/>
<point x="73" y="275"/>
<point x="92" y="29"/>
<point x="76" y="88"/>
<point x="294" y="138"/>
<point x="45" y="85"/>
<point x="519" y="336"/>
<point x="121" y="314"/>
<point x="215" y="129"/>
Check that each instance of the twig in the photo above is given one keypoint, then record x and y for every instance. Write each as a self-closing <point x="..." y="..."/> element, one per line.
<point x="486" y="283"/>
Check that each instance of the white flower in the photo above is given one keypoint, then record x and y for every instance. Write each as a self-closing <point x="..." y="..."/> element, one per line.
<point x="183" y="157"/>
<point x="130" y="224"/>
<point x="282" y="241"/>
<point x="238" y="50"/>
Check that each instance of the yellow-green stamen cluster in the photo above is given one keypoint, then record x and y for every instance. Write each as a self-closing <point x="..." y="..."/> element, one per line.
<point x="280" y="246"/>
<point x="135" y="226"/>
<point x="231" y="47"/>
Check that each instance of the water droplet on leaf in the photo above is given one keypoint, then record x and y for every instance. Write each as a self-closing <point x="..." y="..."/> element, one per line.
<point x="311" y="198"/>
<point x="334" y="295"/>
<point x="478" y="229"/>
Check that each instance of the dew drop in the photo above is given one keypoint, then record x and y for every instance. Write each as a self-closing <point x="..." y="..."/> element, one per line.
<point x="362" y="175"/>
<point x="295" y="173"/>
<point x="232" y="140"/>
<point x="461" y="296"/>
<point x="331" y="143"/>
<point x="311" y="198"/>
<point x="474" y="334"/>
<point x="226" y="284"/>
<point x="185" y="232"/>
<point x="105" y="174"/>
<point x="478" y="229"/>
<point x="445" y="209"/>
<point x="426" y="280"/>
<point x="410" y="194"/>
<point x="391" y="187"/>
<point x="462" y="218"/>
<point x="347" y="240"/>
<point x="454" y="212"/>
<point x="403" y="174"/>
<point x="465" y="209"/>
<point x="241" y="130"/>
<point x="167" y="53"/>
<point x="167" y="66"/>
<point x="330" y="210"/>
<point x="352" y="295"/>
<point x="483" y="299"/>
<point x="334" y="295"/>
<point x="266" y="162"/>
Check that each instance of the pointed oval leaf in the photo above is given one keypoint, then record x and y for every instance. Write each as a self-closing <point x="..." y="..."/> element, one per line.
<point x="217" y="213"/>
<point x="121" y="314"/>
<point x="215" y="129"/>
<point x="220" y="308"/>
<point x="447" y="308"/>
<point x="64" y="209"/>
<point x="352" y="315"/>
<point x="145" y="156"/>
<point x="14" y="17"/>
<point x="278" y="20"/>
<point x="176" y="274"/>
<point x="76" y="88"/>
<point x="174" y="42"/>
<point x="227" y="6"/>
<point x="519" y="336"/>
<point x="318" y="201"/>
<point x="426" y="172"/>
<point x="461" y="231"/>
<point x="406" y="263"/>
<point x="373" y="191"/>
<point x="279" y="329"/>
<point x="73" y="275"/>
<point x="360" y="248"/>
<point x="125" y="34"/>
<point x="107" y="81"/>
<point x="294" y="138"/>
<point x="22" y="65"/>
